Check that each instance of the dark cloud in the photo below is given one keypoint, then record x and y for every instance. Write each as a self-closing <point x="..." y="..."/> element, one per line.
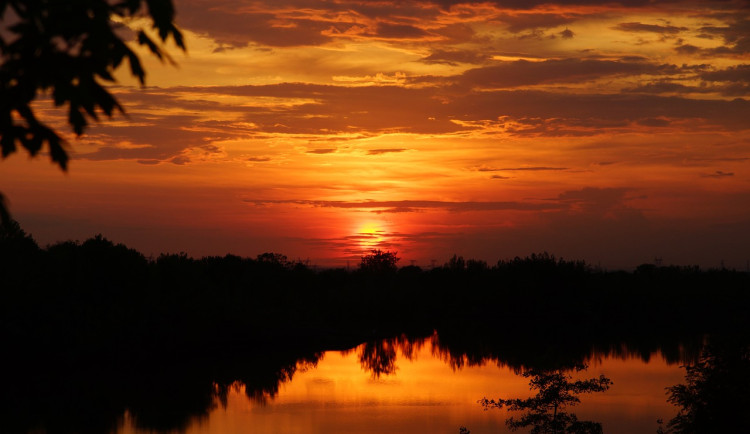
<point x="385" y="151"/>
<point x="392" y="108"/>
<point x="594" y="200"/>
<point x="416" y="205"/>
<point x="284" y="23"/>
<point x="440" y="108"/>
<point x="567" y="34"/>
<point x="259" y="159"/>
<point x="726" y="89"/>
<point x="663" y="87"/>
<point x="527" y="21"/>
<point x="606" y="111"/>
<point x="687" y="49"/>
<point x="654" y="122"/>
<point x="533" y="168"/>
<point x="180" y="160"/>
<point x="737" y="73"/>
<point x="400" y="209"/>
<point x="726" y="159"/>
<point x="399" y="31"/>
<point x="231" y="23"/>
<point x="531" y="4"/>
<point x="736" y="35"/>
<point x="718" y="174"/>
<point x="456" y="33"/>
<point x="511" y="169"/>
<point x="159" y="138"/>
<point x="653" y="28"/>
<point x="523" y="72"/>
<point x="454" y="57"/>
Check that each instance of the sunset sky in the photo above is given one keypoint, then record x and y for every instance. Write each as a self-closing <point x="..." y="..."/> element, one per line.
<point x="596" y="130"/>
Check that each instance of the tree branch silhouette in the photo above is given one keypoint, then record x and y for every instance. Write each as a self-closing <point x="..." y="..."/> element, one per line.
<point x="545" y="411"/>
<point x="68" y="50"/>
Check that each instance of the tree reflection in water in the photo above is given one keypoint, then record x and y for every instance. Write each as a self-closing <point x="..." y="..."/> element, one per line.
<point x="716" y="393"/>
<point x="544" y="412"/>
<point x="171" y="394"/>
<point x="379" y="356"/>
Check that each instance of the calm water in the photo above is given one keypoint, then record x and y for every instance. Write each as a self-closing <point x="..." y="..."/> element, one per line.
<point x="421" y="389"/>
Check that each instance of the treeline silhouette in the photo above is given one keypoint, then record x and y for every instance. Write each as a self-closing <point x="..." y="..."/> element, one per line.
<point x="93" y="329"/>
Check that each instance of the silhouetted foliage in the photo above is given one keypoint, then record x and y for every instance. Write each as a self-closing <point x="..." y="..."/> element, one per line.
<point x="4" y="214"/>
<point x="455" y="263"/>
<point x="95" y="316"/>
<point x="544" y="411"/>
<point x="716" y="393"/>
<point x="15" y="240"/>
<point x="69" y="49"/>
<point x="378" y="261"/>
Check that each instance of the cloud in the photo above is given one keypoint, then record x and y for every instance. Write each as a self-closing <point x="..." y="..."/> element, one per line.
<point x="524" y="73"/>
<point x="736" y="34"/>
<point x="687" y="49"/>
<point x="663" y="87"/>
<point x="454" y="57"/>
<point x="169" y="122"/>
<point x="654" y="122"/>
<point x="288" y="23"/>
<point x="532" y="168"/>
<point x="399" y="31"/>
<point x="652" y="28"/>
<point x="737" y="73"/>
<point x="320" y="111"/>
<point x="259" y="159"/>
<point x="180" y="160"/>
<point x="236" y="23"/>
<point x="484" y="168"/>
<point x="414" y="205"/>
<point x="718" y="174"/>
<point x="728" y="88"/>
<point x="567" y="34"/>
<point x="162" y="138"/>
<point x="385" y="151"/>
<point x="605" y="197"/>
<point x="525" y="21"/>
<point x="532" y="4"/>
<point x="401" y="209"/>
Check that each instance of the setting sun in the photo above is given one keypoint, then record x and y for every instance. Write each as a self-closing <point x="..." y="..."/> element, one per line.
<point x="371" y="236"/>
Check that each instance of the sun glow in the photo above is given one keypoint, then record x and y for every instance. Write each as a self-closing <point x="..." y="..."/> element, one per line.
<point x="371" y="236"/>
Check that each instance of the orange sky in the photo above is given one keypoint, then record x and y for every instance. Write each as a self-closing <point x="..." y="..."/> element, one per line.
<point x="594" y="130"/>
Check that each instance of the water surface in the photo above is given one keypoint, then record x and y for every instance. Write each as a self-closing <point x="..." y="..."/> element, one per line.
<point x="422" y="389"/>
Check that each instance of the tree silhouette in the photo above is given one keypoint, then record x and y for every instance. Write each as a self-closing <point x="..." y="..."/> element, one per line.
<point x="379" y="261"/>
<point x="716" y="393"/>
<point x="544" y="412"/>
<point x="68" y="48"/>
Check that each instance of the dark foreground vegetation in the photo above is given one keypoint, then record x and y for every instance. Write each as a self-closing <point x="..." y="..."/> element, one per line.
<point x="93" y="329"/>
